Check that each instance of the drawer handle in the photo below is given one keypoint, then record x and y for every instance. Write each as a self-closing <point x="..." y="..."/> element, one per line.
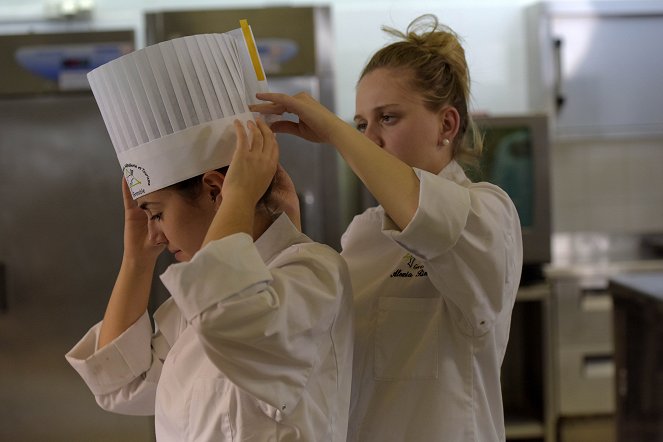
<point x="3" y="289"/>
<point x="596" y="301"/>
<point x="598" y="366"/>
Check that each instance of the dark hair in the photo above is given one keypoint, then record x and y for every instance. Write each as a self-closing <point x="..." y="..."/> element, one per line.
<point x="436" y="58"/>
<point x="191" y="188"/>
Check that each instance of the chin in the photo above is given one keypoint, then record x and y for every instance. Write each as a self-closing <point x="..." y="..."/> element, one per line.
<point x="180" y="256"/>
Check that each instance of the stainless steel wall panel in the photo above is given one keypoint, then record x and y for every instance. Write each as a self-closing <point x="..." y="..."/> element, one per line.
<point x="61" y="227"/>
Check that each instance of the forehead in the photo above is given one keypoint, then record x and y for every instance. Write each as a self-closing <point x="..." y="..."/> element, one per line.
<point x="157" y="197"/>
<point x="385" y="86"/>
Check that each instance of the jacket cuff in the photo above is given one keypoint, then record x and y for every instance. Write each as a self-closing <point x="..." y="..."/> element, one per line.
<point x="444" y="207"/>
<point x="116" y="364"/>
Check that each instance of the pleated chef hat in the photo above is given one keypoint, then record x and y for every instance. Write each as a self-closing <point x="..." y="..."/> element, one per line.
<point x="169" y="108"/>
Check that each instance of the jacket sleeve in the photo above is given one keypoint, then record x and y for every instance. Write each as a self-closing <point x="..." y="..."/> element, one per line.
<point x="265" y="328"/>
<point x="122" y="375"/>
<point x="469" y="239"/>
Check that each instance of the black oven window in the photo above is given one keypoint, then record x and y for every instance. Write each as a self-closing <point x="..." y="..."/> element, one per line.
<point x="507" y="161"/>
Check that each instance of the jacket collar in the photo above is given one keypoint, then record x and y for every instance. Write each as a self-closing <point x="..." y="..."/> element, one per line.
<point x="454" y="172"/>
<point x="279" y="236"/>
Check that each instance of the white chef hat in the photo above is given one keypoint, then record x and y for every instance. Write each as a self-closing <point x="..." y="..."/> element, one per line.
<point x="169" y="108"/>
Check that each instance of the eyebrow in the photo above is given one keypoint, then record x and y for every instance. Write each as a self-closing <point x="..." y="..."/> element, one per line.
<point x="375" y="110"/>
<point x="145" y="204"/>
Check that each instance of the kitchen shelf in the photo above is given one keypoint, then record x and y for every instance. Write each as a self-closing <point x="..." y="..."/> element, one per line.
<point x="537" y="292"/>
<point x="524" y="375"/>
<point x="524" y="428"/>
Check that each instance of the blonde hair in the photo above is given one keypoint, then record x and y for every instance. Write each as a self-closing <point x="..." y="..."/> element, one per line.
<point x="436" y="58"/>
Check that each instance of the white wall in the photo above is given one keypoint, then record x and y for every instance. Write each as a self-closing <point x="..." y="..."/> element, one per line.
<point x="493" y="33"/>
<point x="610" y="186"/>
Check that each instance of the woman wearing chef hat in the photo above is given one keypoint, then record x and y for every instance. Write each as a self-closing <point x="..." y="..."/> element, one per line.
<point x="255" y="342"/>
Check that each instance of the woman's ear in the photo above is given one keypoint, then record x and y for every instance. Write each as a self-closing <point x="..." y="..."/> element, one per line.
<point x="212" y="185"/>
<point x="449" y="120"/>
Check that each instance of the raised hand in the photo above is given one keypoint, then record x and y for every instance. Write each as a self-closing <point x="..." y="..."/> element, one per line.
<point x="316" y="122"/>
<point x="251" y="170"/>
<point x="138" y="243"/>
<point x="131" y="292"/>
<point x="377" y="168"/>
<point x="283" y="197"/>
<point x="253" y="164"/>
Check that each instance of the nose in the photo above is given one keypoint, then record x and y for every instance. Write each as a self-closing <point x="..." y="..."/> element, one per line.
<point x="372" y="132"/>
<point x="155" y="234"/>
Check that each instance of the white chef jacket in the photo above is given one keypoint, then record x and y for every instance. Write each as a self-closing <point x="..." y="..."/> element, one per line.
<point x="432" y="313"/>
<point x="255" y="344"/>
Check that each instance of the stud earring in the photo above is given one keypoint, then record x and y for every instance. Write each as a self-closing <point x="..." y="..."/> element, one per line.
<point x="445" y="142"/>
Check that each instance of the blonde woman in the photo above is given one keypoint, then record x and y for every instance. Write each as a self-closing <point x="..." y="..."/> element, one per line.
<point x="436" y="266"/>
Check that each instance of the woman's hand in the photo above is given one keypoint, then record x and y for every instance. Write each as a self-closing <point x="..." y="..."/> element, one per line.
<point x="131" y="292"/>
<point x="138" y="243"/>
<point x="251" y="171"/>
<point x="316" y="122"/>
<point x="253" y="164"/>
<point x="391" y="181"/>
<point x="283" y="197"/>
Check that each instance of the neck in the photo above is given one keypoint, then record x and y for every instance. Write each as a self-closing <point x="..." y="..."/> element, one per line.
<point x="263" y="219"/>
<point x="437" y="168"/>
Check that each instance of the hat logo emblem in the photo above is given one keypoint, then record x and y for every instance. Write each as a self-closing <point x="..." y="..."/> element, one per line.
<point x="137" y="179"/>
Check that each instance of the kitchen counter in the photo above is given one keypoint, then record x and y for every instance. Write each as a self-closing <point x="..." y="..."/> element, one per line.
<point x="594" y="258"/>
<point x="638" y="331"/>
<point x="599" y="273"/>
<point x="645" y="287"/>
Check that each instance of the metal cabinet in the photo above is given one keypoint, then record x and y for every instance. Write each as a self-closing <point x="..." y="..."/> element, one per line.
<point x="583" y="398"/>
<point x="639" y="359"/>
<point x="582" y="358"/>
<point x="61" y="240"/>
<point x="583" y="347"/>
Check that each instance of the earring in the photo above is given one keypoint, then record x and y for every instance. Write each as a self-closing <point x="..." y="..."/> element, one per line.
<point x="445" y="142"/>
